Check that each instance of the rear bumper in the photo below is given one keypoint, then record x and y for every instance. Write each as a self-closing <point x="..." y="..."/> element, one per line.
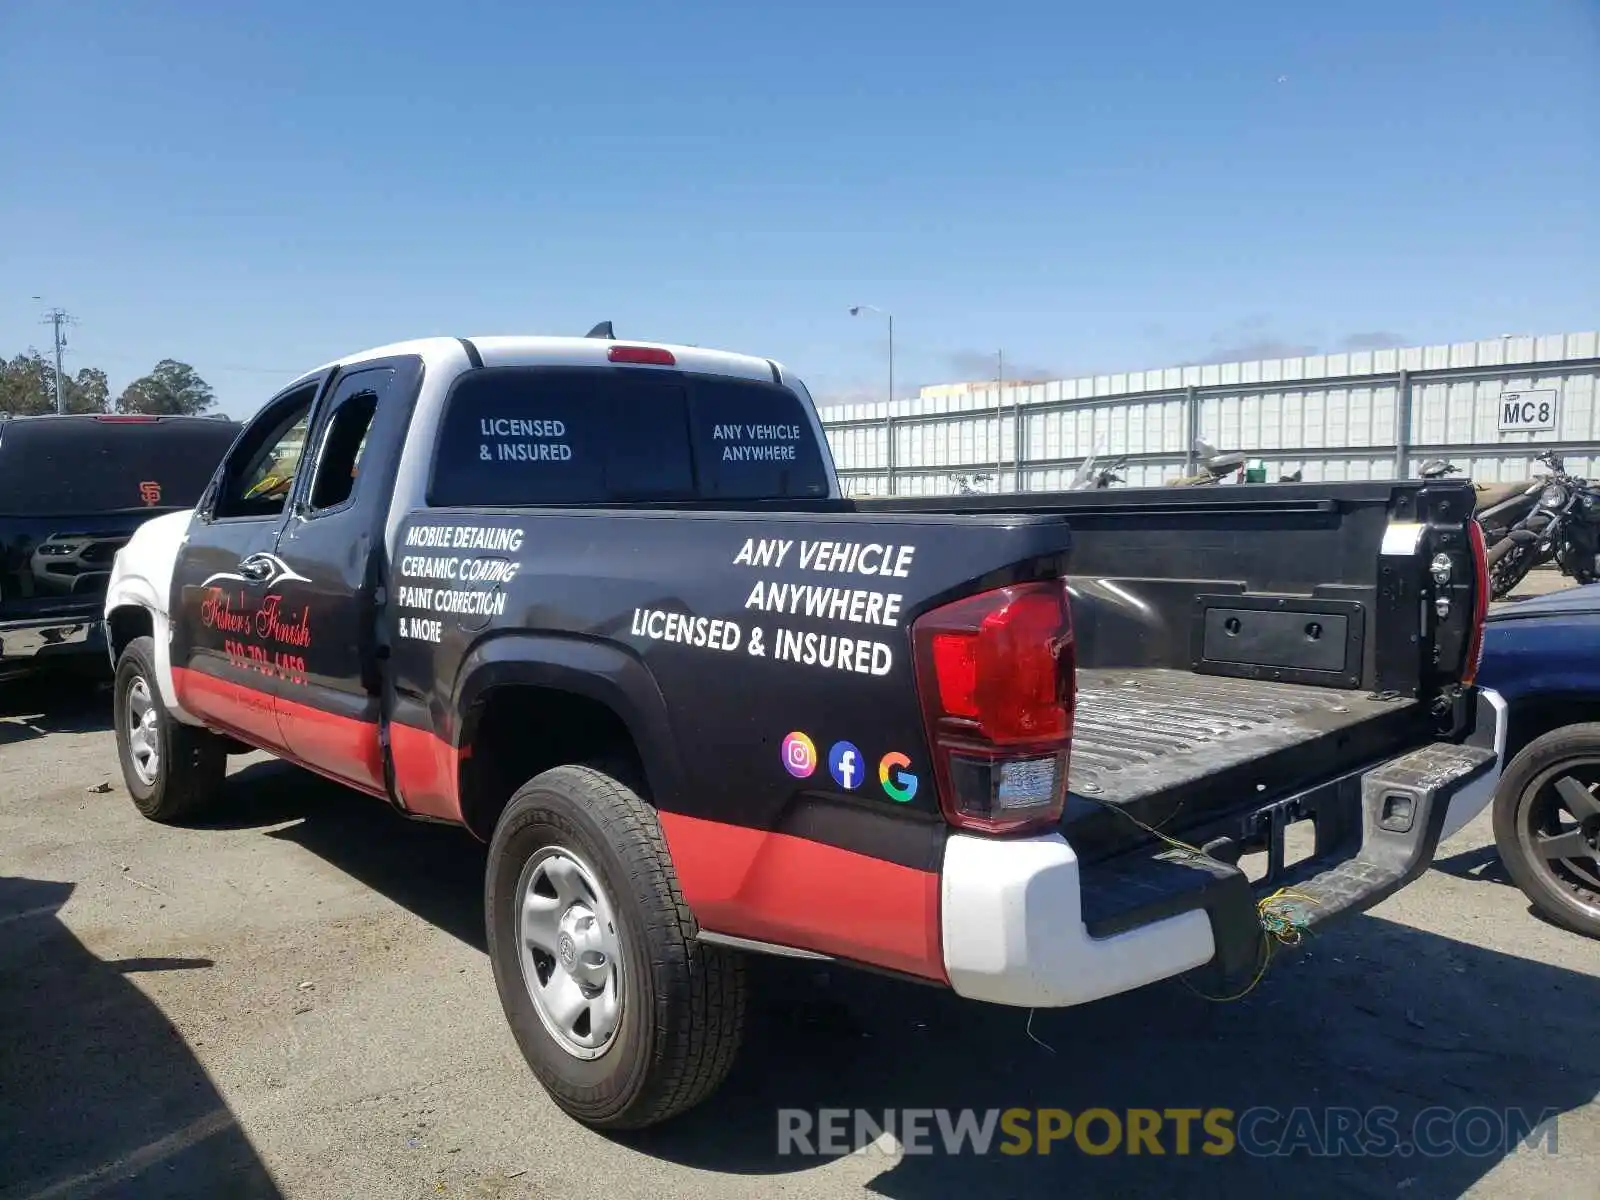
<point x="35" y="642"/>
<point x="1024" y="922"/>
<point x="1490" y="733"/>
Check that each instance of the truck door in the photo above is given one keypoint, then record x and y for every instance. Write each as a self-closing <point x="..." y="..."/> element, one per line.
<point x="330" y="707"/>
<point x="232" y="596"/>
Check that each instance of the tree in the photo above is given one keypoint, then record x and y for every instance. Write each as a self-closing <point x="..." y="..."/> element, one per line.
<point x="87" y="392"/>
<point x="171" y="388"/>
<point x="28" y="388"/>
<point x="27" y="385"/>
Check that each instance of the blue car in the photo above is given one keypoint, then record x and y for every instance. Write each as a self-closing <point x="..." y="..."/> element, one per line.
<point x="1541" y="670"/>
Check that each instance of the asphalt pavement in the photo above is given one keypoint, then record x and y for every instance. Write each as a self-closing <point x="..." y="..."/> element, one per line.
<point x="295" y="1002"/>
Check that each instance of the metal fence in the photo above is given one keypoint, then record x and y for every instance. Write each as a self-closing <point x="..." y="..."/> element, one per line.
<point x="1489" y="406"/>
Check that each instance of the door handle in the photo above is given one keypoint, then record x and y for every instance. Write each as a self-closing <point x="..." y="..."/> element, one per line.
<point x="255" y="568"/>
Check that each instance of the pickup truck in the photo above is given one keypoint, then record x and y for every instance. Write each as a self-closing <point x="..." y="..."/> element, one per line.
<point x="602" y="604"/>
<point x="72" y="491"/>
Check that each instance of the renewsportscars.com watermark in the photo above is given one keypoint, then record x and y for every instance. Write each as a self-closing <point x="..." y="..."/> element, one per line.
<point x="1213" y="1132"/>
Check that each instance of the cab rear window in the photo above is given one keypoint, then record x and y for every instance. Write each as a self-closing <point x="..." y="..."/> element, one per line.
<point x="583" y="435"/>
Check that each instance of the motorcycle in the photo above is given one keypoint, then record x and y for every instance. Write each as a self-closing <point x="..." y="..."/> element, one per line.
<point x="1106" y="476"/>
<point x="967" y="485"/>
<point x="1083" y="477"/>
<point x="1087" y="479"/>
<point x="1563" y="524"/>
<point x="1214" y="467"/>
<point x="1506" y="508"/>
<point x="1503" y="503"/>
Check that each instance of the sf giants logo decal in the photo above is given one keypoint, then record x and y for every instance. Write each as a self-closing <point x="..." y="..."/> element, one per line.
<point x="150" y="492"/>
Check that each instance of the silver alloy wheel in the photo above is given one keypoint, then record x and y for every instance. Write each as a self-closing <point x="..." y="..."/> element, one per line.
<point x="144" y="743"/>
<point x="570" y="952"/>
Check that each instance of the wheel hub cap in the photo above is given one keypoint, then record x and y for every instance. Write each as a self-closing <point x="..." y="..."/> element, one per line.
<point x="570" y="952"/>
<point x="144" y="745"/>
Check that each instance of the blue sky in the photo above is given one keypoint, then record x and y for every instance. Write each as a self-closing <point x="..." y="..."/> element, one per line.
<point x="258" y="188"/>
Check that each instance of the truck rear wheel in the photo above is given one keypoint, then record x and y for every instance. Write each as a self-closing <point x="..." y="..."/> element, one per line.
<point x="171" y="770"/>
<point x="623" y="1016"/>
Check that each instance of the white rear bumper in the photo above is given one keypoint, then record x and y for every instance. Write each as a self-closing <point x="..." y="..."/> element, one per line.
<point x="1474" y="798"/>
<point x="1013" y="931"/>
<point x="1011" y="909"/>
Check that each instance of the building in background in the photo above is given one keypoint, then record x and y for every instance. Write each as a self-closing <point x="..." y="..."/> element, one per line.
<point x="944" y="391"/>
<point x="1489" y="406"/>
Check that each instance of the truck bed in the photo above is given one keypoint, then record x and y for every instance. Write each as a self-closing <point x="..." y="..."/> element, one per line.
<point x="1145" y="731"/>
<point x="1229" y="641"/>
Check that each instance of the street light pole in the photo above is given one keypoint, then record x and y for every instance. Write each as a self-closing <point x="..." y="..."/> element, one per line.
<point x="999" y="420"/>
<point x="890" y="317"/>
<point x="888" y="413"/>
<point x="855" y="311"/>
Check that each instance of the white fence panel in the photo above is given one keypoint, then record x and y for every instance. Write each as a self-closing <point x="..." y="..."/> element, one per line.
<point x="1491" y="404"/>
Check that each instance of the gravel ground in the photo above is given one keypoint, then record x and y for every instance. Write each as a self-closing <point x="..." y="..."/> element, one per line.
<point x="295" y="1002"/>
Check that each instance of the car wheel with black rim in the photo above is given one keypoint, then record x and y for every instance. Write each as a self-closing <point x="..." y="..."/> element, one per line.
<point x="1547" y="825"/>
<point x="171" y="770"/>
<point x="625" y="1018"/>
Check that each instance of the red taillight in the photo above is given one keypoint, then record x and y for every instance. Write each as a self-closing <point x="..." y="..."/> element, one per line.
<point x="1480" y="601"/>
<point x="124" y="418"/>
<point x="955" y="670"/>
<point x="996" y="676"/>
<point x="650" y="356"/>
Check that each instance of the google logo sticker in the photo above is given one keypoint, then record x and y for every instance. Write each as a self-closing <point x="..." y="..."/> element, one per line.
<point x="898" y="783"/>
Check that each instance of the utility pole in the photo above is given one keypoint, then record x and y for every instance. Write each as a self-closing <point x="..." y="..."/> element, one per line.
<point x="56" y="318"/>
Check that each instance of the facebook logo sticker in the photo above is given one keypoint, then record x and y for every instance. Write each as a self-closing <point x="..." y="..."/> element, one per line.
<point x="844" y="764"/>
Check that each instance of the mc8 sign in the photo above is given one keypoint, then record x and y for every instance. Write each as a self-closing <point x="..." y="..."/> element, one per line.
<point x="1528" y="412"/>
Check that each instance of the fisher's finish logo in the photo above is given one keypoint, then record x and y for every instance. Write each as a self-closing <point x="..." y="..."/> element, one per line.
<point x="260" y="634"/>
<point x="268" y="570"/>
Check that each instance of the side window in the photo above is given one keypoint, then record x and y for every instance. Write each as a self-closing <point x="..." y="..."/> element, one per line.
<point x="754" y="441"/>
<point x="561" y="435"/>
<point x="261" y="470"/>
<point x="343" y="437"/>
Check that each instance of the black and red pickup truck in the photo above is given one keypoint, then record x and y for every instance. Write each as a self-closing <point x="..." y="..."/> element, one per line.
<point x="602" y="604"/>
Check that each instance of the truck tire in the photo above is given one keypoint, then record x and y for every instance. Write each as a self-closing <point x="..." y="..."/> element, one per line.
<point x="625" y="1018"/>
<point x="1547" y="826"/>
<point x="171" y="770"/>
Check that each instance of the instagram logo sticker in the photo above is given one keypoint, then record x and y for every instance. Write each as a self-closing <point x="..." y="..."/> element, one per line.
<point x="799" y="755"/>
